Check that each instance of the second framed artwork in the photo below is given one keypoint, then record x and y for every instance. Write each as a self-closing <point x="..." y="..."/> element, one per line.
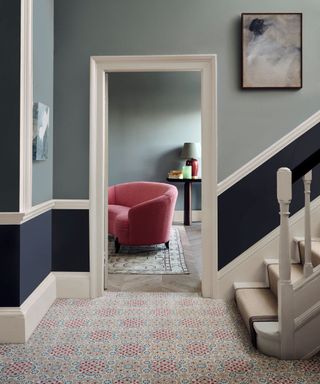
<point x="271" y="50"/>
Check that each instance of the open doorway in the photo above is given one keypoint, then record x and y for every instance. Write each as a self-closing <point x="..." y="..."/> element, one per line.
<point x="100" y="65"/>
<point x="154" y="147"/>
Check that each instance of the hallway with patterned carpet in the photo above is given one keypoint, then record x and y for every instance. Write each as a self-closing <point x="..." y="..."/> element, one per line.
<point x="146" y="338"/>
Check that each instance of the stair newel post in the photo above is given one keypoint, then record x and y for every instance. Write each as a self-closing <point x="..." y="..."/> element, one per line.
<point x="307" y="268"/>
<point x="285" y="290"/>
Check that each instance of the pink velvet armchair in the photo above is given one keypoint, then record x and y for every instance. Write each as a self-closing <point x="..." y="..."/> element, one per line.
<point x="141" y="213"/>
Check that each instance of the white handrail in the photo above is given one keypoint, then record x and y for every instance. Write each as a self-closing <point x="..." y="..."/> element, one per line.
<point x="307" y="268"/>
<point x="285" y="289"/>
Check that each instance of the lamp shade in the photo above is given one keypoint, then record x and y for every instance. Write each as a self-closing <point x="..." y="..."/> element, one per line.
<point x="191" y="151"/>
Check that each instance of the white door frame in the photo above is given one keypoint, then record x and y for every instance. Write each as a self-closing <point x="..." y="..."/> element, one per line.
<point x="26" y="104"/>
<point x="99" y="66"/>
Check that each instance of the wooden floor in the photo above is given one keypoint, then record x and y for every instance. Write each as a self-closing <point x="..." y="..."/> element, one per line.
<point x="167" y="283"/>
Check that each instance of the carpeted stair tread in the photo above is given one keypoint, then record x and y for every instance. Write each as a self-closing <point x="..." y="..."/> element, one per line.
<point x="256" y="304"/>
<point x="315" y="251"/>
<point x="273" y="272"/>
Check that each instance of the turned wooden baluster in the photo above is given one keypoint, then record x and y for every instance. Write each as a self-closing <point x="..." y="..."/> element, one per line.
<point x="307" y="268"/>
<point x="285" y="290"/>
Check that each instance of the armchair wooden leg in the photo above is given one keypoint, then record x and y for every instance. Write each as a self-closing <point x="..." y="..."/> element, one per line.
<point x="117" y="245"/>
<point x="167" y="244"/>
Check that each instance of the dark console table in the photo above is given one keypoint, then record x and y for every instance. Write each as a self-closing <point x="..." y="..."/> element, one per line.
<point x="187" y="197"/>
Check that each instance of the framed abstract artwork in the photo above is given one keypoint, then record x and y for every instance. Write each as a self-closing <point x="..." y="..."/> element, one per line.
<point x="40" y="131"/>
<point x="271" y="50"/>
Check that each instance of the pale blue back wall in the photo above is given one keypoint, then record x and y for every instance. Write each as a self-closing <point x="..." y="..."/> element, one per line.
<point x="151" y="115"/>
<point x="249" y="121"/>
<point x="43" y="36"/>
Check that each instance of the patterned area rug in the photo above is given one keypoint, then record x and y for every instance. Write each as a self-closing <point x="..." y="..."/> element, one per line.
<point x="146" y="338"/>
<point x="149" y="260"/>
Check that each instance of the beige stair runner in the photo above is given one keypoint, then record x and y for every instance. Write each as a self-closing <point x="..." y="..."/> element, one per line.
<point x="273" y="273"/>
<point x="315" y="251"/>
<point x="256" y="304"/>
<point x="260" y="304"/>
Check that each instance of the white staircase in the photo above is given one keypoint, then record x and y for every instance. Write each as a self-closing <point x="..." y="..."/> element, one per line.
<point x="282" y="313"/>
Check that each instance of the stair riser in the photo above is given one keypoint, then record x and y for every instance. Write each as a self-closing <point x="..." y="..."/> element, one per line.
<point x="315" y="252"/>
<point x="273" y="275"/>
<point x="256" y="305"/>
<point x="273" y="279"/>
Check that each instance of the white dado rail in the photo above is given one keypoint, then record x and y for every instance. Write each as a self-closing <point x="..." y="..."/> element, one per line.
<point x="18" y="218"/>
<point x="298" y="303"/>
<point x="269" y="152"/>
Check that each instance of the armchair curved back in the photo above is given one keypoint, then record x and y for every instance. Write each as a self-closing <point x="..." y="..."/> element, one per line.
<point x="134" y="193"/>
<point x="141" y="213"/>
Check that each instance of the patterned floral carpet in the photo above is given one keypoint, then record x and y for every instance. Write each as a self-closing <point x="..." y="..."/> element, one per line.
<point x="149" y="260"/>
<point x="145" y="338"/>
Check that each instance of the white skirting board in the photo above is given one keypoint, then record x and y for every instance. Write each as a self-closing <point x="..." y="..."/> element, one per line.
<point x="73" y="284"/>
<point x="249" y="265"/>
<point x="179" y="216"/>
<point x="18" y="323"/>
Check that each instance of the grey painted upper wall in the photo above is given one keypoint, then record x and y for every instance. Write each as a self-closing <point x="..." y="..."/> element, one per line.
<point x="248" y="121"/>
<point x="151" y="115"/>
<point x="43" y="37"/>
<point x="10" y="104"/>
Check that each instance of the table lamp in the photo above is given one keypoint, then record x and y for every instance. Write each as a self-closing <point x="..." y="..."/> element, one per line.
<point x="191" y="151"/>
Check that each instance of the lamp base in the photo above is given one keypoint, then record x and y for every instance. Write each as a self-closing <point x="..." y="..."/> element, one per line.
<point x="195" y="167"/>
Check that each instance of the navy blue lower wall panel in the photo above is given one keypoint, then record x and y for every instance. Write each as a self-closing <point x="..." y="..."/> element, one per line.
<point x="70" y="240"/>
<point x="9" y="265"/>
<point x="35" y="253"/>
<point x="249" y="210"/>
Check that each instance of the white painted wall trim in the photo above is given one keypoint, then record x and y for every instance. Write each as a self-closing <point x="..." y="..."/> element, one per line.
<point x="26" y="104"/>
<point x="178" y="216"/>
<point x="207" y="66"/>
<point x="307" y="316"/>
<point x="72" y="284"/>
<point x="71" y="204"/>
<point x="18" y="218"/>
<point x="38" y="210"/>
<point x="18" y="323"/>
<point x="269" y="153"/>
<point x="307" y="337"/>
<point x="38" y="303"/>
<point x="11" y="218"/>
<point x="249" y="265"/>
<point x="12" y="325"/>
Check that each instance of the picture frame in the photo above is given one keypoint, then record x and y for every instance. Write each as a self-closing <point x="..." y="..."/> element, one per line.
<point x="271" y="50"/>
<point x="40" y="131"/>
